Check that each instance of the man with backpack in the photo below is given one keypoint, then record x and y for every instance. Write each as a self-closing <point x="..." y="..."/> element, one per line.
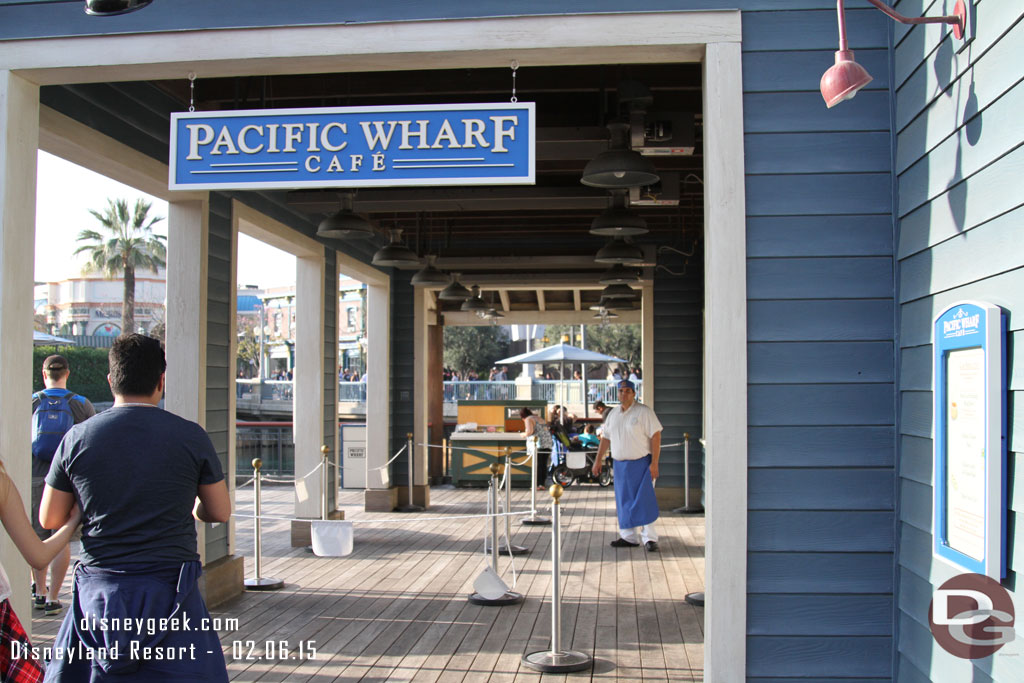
<point x="55" y="410"/>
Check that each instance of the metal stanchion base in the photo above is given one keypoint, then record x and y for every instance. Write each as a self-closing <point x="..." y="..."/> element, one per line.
<point x="535" y="521"/>
<point x="263" y="584"/>
<point x="504" y="549"/>
<point x="410" y="508"/>
<point x="509" y="598"/>
<point x="688" y="511"/>
<point x="558" y="662"/>
<point x="695" y="598"/>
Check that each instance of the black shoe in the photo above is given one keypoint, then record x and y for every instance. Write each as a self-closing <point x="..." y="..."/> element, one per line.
<point x="652" y="546"/>
<point x="623" y="543"/>
<point x="52" y="608"/>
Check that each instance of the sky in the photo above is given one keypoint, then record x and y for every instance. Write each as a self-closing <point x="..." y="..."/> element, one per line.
<point x="64" y="194"/>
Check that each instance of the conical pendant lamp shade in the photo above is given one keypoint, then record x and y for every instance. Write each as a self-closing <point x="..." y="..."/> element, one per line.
<point x="475" y="302"/>
<point x="109" y="8"/>
<point x="843" y="80"/>
<point x="619" y="251"/>
<point x="395" y="254"/>
<point x="619" y="274"/>
<point x="429" y="275"/>
<point x="619" y="167"/>
<point x="618" y="221"/>
<point x="455" y="291"/>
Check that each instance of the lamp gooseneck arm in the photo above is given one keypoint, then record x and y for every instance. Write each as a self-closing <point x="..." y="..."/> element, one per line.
<point x="953" y="19"/>
<point x="842" y="26"/>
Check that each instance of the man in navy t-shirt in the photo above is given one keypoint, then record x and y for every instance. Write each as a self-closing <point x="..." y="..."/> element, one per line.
<point x="141" y="476"/>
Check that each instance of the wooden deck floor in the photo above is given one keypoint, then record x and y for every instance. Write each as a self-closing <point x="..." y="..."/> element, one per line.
<point x="396" y="609"/>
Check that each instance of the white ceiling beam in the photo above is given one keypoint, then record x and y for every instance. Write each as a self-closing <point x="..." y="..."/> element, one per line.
<point x="541" y="304"/>
<point x="503" y="295"/>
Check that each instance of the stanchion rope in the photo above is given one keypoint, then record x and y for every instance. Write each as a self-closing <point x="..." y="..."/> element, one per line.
<point x="385" y="520"/>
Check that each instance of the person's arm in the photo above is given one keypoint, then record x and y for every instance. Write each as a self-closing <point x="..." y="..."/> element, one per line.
<point x="213" y="504"/>
<point x="602" y="450"/>
<point x="531" y="427"/>
<point x="36" y="552"/>
<point x="655" y="454"/>
<point x="55" y="507"/>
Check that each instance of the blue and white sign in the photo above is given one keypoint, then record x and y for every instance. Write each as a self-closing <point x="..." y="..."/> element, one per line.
<point x="450" y="144"/>
<point x="970" y="438"/>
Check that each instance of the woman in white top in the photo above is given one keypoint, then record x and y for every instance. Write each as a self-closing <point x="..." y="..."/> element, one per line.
<point x="17" y="666"/>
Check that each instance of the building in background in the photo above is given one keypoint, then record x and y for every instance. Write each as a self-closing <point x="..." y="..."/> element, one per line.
<point x="90" y="306"/>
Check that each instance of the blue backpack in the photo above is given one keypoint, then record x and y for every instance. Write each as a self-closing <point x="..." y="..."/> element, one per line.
<point x="50" y="421"/>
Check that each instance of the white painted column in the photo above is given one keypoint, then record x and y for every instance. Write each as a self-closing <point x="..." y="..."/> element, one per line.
<point x="725" y="304"/>
<point x="647" y="344"/>
<point x="187" y="265"/>
<point x="308" y="396"/>
<point x="378" y="372"/>
<point x="19" y="140"/>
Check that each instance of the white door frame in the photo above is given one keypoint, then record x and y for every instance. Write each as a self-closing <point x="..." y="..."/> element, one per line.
<point x="711" y="37"/>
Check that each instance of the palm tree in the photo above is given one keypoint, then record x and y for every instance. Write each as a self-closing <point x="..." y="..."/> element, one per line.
<point x="126" y="243"/>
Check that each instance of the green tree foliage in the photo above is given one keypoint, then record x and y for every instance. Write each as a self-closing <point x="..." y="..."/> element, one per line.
<point x="474" y="348"/>
<point x="622" y="341"/>
<point x="89" y="368"/>
<point x="127" y="242"/>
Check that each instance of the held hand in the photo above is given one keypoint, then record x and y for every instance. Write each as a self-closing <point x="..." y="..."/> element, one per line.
<point x="654" y="470"/>
<point x="596" y="469"/>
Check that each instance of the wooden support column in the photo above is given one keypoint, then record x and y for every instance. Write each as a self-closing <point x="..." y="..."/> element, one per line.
<point x="308" y="400"/>
<point x="435" y="397"/>
<point x="19" y="141"/>
<point x="378" y="395"/>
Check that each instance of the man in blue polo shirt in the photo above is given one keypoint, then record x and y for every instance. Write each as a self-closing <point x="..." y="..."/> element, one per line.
<point x="49" y="403"/>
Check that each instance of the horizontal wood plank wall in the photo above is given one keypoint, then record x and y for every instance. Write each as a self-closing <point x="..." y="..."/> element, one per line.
<point x="679" y="368"/>
<point x="960" y="164"/>
<point x="402" y="359"/>
<point x="821" y="398"/>
<point x="219" y="364"/>
<point x="330" y="364"/>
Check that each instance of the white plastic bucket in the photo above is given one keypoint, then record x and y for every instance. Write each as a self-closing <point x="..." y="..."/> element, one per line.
<point x="576" y="460"/>
<point x="332" y="539"/>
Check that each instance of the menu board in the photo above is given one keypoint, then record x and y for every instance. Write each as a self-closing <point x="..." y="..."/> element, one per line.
<point x="965" y="451"/>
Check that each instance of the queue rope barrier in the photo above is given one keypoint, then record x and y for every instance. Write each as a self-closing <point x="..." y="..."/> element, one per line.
<point x="275" y="518"/>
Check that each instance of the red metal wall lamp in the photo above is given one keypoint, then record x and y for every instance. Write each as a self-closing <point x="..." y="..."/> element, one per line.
<point x="846" y="77"/>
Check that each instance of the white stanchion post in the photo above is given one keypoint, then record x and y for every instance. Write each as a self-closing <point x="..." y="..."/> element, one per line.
<point x="557" y="660"/>
<point x="259" y="583"/>
<point x="410" y="506"/>
<point x="509" y="548"/>
<point x="533" y="449"/>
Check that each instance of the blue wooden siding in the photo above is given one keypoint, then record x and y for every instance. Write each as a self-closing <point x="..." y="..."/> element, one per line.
<point x="960" y="161"/>
<point x="678" y="369"/>
<point x="329" y="343"/>
<point x="402" y="364"/>
<point x="820" y="353"/>
<point x="220" y="367"/>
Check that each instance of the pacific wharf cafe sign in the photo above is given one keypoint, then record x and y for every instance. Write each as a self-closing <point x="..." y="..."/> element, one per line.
<point x="451" y="144"/>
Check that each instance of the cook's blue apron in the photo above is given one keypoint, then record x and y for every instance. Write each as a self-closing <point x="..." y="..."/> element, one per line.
<point x="634" y="493"/>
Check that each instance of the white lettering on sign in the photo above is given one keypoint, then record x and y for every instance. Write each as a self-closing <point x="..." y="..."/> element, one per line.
<point x="961" y="324"/>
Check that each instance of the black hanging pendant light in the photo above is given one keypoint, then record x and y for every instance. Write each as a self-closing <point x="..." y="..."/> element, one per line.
<point x="619" y="274"/>
<point x="618" y="221"/>
<point x="395" y="254"/>
<point x="455" y="291"/>
<point x="619" y="250"/>
<point x="429" y="275"/>
<point x="109" y="8"/>
<point x="619" y="167"/>
<point x="618" y="292"/>
<point x="475" y="302"/>
<point x="343" y="224"/>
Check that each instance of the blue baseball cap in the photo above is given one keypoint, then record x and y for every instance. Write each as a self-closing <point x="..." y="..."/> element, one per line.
<point x="626" y="384"/>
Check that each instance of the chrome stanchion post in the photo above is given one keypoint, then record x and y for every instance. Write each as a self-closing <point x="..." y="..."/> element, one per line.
<point x="323" y="481"/>
<point x="533" y="448"/>
<point x="410" y="506"/>
<point x="687" y="508"/>
<point x="508" y="548"/>
<point x="259" y="583"/>
<point x="509" y="597"/>
<point x="556" y="660"/>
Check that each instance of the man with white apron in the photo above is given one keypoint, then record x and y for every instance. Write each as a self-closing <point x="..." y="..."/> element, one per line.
<point x="633" y="432"/>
